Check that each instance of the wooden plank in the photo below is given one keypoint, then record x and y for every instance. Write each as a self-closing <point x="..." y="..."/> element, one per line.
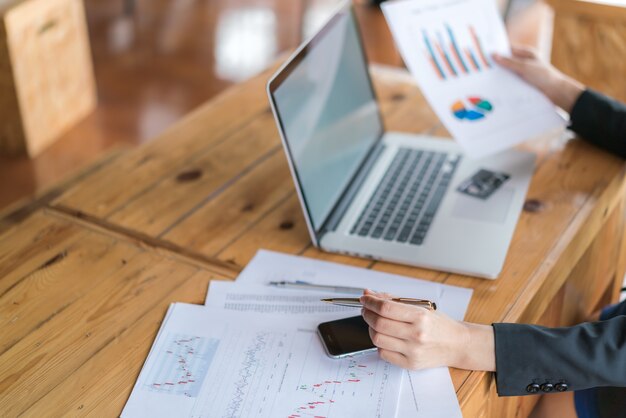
<point x="174" y="196"/>
<point x="197" y="133"/>
<point x="46" y="291"/>
<point x="62" y="313"/>
<point x="597" y="32"/>
<point x="19" y="245"/>
<point x="237" y="209"/>
<point x="590" y="8"/>
<point x="283" y="229"/>
<point x="17" y="212"/>
<point x="100" y="387"/>
<point x="144" y="240"/>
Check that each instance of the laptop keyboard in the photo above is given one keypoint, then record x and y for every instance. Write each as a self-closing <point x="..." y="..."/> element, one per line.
<point x="405" y="202"/>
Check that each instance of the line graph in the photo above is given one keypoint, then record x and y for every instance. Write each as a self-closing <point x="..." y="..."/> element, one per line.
<point x="248" y="368"/>
<point x="252" y="365"/>
<point x="328" y="386"/>
<point x="181" y="365"/>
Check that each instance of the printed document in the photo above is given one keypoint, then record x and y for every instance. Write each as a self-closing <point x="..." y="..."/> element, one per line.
<point x="425" y="393"/>
<point x="268" y="266"/>
<point x="447" y="46"/>
<point x="214" y="363"/>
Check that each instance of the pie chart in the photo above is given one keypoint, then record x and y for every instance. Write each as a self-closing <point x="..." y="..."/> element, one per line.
<point x="473" y="108"/>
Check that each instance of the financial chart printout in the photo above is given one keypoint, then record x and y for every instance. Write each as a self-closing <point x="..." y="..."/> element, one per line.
<point x="448" y="46"/>
<point x="211" y="363"/>
<point x="425" y="393"/>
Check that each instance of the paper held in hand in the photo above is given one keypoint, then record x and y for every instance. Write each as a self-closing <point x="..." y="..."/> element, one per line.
<point x="447" y="46"/>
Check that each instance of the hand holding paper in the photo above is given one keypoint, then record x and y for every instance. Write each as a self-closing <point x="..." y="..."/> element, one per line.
<point x="562" y="90"/>
<point x="448" y="46"/>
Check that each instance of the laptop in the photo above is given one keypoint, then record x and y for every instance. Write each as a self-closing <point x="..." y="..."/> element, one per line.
<point x="392" y="196"/>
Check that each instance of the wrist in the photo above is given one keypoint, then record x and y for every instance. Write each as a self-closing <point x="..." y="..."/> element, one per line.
<point x="476" y="350"/>
<point x="566" y="93"/>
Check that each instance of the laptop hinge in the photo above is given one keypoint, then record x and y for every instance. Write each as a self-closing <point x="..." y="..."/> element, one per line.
<point x="350" y="192"/>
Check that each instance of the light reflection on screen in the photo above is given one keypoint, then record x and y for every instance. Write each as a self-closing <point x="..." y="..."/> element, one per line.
<point x="329" y="116"/>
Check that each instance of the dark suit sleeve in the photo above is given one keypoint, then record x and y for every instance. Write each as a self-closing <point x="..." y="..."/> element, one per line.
<point x="614" y="310"/>
<point x="601" y="121"/>
<point x="533" y="359"/>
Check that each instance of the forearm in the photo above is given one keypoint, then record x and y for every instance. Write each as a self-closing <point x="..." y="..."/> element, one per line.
<point x="564" y="91"/>
<point x="570" y="358"/>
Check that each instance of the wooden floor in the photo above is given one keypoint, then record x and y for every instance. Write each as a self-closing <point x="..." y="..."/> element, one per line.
<point x="155" y="60"/>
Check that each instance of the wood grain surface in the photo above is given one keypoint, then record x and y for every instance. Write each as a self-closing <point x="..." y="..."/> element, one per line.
<point x="588" y="43"/>
<point x="79" y="309"/>
<point x="46" y="74"/>
<point x="215" y="188"/>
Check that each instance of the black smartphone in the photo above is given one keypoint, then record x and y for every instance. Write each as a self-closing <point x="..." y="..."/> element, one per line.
<point x="345" y="337"/>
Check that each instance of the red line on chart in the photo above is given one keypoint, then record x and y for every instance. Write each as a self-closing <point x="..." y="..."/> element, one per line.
<point x="445" y="59"/>
<point x="458" y="59"/>
<point x="479" y="47"/>
<point x="435" y="67"/>
<point x="472" y="60"/>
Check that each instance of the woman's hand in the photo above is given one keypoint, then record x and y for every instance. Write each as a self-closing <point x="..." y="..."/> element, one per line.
<point x="415" y="338"/>
<point x="562" y="90"/>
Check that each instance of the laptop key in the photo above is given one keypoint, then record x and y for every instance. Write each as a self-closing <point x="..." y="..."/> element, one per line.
<point x="407" y="197"/>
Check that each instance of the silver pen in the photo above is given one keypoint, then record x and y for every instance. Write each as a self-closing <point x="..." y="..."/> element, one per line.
<point x="298" y="284"/>
<point x="356" y="303"/>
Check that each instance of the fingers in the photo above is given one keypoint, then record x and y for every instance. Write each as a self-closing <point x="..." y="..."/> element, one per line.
<point x="387" y="326"/>
<point x="519" y="61"/>
<point x="394" y="357"/>
<point x="386" y="342"/>
<point x="378" y="294"/>
<point x="516" y="65"/>
<point x="523" y="52"/>
<point x="389" y="309"/>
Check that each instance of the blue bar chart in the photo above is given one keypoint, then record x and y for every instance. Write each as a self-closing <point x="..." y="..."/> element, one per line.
<point x="452" y="57"/>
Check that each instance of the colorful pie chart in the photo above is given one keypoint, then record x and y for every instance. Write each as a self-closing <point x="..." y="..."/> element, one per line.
<point x="472" y="109"/>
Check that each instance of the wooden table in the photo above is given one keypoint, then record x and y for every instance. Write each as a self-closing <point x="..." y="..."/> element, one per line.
<point x="87" y="278"/>
<point x="588" y="43"/>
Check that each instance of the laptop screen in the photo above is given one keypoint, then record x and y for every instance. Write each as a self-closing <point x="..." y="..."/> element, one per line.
<point x="328" y="113"/>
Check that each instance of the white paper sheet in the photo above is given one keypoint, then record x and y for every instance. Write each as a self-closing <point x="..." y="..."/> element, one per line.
<point x="426" y="393"/>
<point x="267" y="266"/>
<point x="258" y="298"/>
<point x="215" y="363"/>
<point x="447" y="46"/>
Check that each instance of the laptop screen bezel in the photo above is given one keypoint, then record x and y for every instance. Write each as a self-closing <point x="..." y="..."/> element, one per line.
<point x="283" y="73"/>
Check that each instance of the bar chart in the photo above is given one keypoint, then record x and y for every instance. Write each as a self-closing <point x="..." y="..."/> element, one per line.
<point x="452" y="57"/>
<point x="448" y="47"/>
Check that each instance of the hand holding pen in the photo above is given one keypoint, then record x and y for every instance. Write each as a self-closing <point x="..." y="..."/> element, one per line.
<point x="416" y="338"/>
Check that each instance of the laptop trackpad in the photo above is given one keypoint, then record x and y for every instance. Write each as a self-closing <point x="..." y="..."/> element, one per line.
<point x="493" y="210"/>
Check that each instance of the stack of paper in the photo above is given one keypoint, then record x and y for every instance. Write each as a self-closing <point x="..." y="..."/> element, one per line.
<point x="252" y="351"/>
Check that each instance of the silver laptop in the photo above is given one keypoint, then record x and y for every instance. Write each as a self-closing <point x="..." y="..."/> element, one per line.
<point x="387" y="195"/>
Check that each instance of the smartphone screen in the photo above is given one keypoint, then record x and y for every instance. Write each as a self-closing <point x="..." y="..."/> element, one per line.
<point x="344" y="337"/>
